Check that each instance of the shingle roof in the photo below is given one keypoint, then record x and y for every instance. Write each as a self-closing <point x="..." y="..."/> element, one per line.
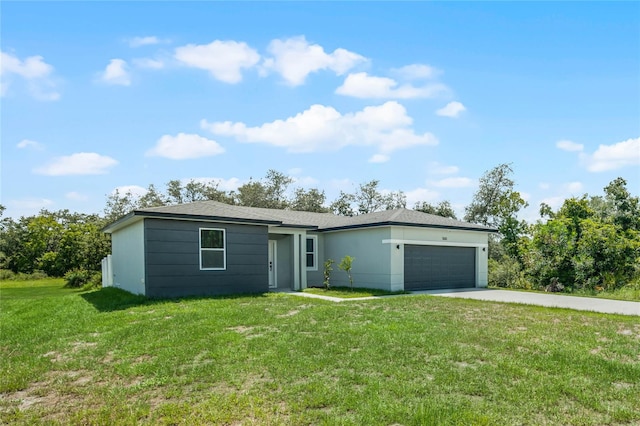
<point x="213" y="210"/>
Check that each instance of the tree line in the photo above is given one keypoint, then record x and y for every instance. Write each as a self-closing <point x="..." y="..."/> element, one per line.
<point x="270" y="192"/>
<point x="590" y="242"/>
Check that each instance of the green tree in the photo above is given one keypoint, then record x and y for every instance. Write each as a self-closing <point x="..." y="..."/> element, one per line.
<point x="443" y="208"/>
<point x="328" y="267"/>
<point x="152" y="198"/>
<point x="311" y="200"/>
<point x="119" y="204"/>
<point x="367" y="199"/>
<point x="192" y="191"/>
<point x="54" y="242"/>
<point x="269" y="193"/>
<point x="343" y="204"/>
<point x="346" y="264"/>
<point x="497" y="204"/>
<point x="625" y="208"/>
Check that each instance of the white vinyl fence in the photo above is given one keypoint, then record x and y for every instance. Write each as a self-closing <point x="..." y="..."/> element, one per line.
<point x="107" y="272"/>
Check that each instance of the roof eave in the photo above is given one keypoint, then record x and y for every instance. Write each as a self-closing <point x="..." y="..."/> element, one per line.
<point x="141" y="214"/>
<point x="416" y="225"/>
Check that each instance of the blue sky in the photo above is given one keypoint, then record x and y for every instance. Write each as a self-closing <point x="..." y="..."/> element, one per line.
<point x="424" y="97"/>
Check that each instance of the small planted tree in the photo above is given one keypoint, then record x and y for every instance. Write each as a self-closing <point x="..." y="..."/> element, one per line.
<point x="327" y="273"/>
<point x="345" y="265"/>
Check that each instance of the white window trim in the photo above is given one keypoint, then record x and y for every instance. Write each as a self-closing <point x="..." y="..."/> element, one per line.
<point x="315" y="252"/>
<point x="223" y="249"/>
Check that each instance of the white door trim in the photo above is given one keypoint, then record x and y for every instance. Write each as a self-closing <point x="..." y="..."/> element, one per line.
<point x="272" y="263"/>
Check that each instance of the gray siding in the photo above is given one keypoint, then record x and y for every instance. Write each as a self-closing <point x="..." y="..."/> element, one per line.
<point x="172" y="252"/>
<point x="316" y="278"/>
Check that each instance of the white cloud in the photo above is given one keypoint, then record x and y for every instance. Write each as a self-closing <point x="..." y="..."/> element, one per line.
<point x="436" y="168"/>
<point x="76" y="196"/>
<point x="33" y="70"/>
<point x="185" y="146"/>
<point x="231" y="184"/>
<point x="32" y="204"/>
<point x="143" y="41"/>
<point x="117" y="72"/>
<point x="453" y="182"/>
<point x="294" y="59"/>
<point x="135" y="190"/>
<point x="563" y="191"/>
<point x="416" y="72"/>
<point x="574" y="187"/>
<point x="31" y="67"/>
<point x="345" y="184"/>
<point x="615" y="156"/>
<point x="82" y="163"/>
<point x="570" y="146"/>
<point x="554" y="202"/>
<point x="421" y="194"/>
<point x="379" y="158"/>
<point x="225" y="60"/>
<point x="452" y="109"/>
<point x="26" y="143"/>
<point x="155" y="64"/>
<point x="361" y="85"/>
<point x="544" y="185"/>
<point x="321" y="128"/>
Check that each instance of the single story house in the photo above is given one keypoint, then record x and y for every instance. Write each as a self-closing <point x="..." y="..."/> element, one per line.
<point x="212" y="248"/>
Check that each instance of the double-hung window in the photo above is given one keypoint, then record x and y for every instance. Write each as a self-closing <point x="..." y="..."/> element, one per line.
<point x="213" y="254"/>
<point x="312" y="252"/>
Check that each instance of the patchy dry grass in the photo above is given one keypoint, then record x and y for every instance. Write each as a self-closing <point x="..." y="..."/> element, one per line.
<point x="106" y="357"/>
<point x="351" y="293"/>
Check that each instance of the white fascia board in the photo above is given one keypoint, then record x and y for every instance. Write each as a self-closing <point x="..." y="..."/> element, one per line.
<point x="432" y="243"/>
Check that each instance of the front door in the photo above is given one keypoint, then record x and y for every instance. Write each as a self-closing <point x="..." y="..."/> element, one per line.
<point x="273" y="283"/>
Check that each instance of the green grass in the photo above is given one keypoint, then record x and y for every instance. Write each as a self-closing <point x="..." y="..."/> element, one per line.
<point x="351" y="293"/>
<point x="107" y="357"/>
<point x="629" y="293"/>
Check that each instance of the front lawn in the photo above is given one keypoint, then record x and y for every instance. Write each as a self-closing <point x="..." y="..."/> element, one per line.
<point x="107" y="357"/>
<point x="350" y="293"/>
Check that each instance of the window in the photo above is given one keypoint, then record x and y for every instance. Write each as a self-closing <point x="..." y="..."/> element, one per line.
<point x="312" y="253"/>
<point x="212" y="249"/>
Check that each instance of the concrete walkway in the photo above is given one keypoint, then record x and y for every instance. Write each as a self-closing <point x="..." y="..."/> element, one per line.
<point x="605" y="306"/>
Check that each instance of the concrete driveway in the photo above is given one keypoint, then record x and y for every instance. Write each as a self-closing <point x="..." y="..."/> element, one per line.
<point x="593" y="304"/>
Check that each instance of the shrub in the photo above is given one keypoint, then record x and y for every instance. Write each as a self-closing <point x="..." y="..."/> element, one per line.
<point x="327" y="273"/>
<point x="6" y="274"/>
<point x="345" y="265"/>
<point x="507" y="273"/>
<point x="77" y="278"/>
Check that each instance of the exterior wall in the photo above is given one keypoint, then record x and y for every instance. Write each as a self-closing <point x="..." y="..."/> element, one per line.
<point x="127" y="260"/>
<point x="372" y="264"/>
<point x="316" y="278"/>
<point x="401" y="235"/>
<point x="173" y="259"/>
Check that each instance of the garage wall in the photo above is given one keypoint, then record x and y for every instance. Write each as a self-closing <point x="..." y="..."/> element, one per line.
<point x="372" y="266"/>
<point x="127" y="246"/>
<point x="401" y="235"/>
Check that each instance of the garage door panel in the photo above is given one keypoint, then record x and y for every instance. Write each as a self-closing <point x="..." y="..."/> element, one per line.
<point x="438" y="267"/>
